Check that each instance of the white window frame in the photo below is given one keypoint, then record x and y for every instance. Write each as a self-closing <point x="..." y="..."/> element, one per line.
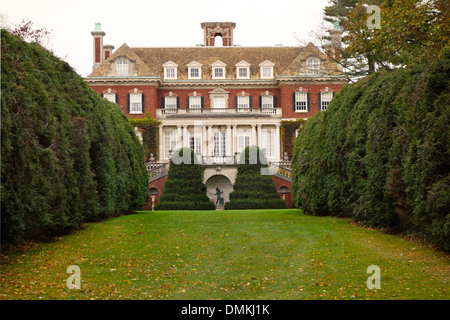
<point x="215" y="104"/>
<point x="245" y="67"/>
<point x="195" y="143"/>
<point x="324" y="103"/>
<point x="301" y="102"/>
<point x="170" y="73"/>
<point x="170" y="103"/>
<point x="268" y="142"/>
<point x="242" y="73"/>
<point x="194" y="73"/>
<point x="243" y="104"/>
<point x="216" y="71"/>
<point x="313" y="66"/>
<point x="135" y="103"/>
<point x="216" y="66"/>
<point x="266" y="70"/>
<point x="243" y="141"/>
<point x="122" y="67"/>
<point x="220" y="144"/>
<point x="170" y="143"/>
<point x="110" y="97"/>
<point x="194" y="65"/>
<point x="266" y="102"/>
<point x="170" y="70"/>
<point x="195" y="104"/>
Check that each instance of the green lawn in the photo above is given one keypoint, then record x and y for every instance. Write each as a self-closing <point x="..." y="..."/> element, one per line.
<point x="254" y="254"/>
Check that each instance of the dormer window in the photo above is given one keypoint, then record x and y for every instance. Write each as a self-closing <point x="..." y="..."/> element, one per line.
<point x="122" y="68"/>
<point x="218" y="70"/>
<point x="194" y="70"/>
<point x="243" y="70"/>
<point x="266" y="70"/>
<point x="170" y="70"/>
<point x="313" y="66"/>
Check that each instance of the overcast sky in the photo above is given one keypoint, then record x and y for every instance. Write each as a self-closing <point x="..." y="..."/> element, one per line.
<point x="163" y="23"/>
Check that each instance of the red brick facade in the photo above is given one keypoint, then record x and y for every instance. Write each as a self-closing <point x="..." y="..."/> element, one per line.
<point x="155" y="185"/>
<point x="279" y="184"/>
<point x="283" y="95"/>
<point x="220" y="76"/>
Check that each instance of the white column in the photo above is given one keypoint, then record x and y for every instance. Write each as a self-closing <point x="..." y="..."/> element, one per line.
<point x="185" y="137"/>
<point x="259" y="143"/>
<point x="204" y="141"/>
<point x="210" y="144"/>
<point x="254" y="142"/>
<point x="234" y="138"/>
<point x="228" y="145"/>
<point x="277" y="142"/>
<point x="180" y="137"/>
<point x="161" y="145"/>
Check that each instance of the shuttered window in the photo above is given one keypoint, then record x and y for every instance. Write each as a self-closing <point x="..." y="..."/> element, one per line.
<point x="301" y="103"/>
<point x="135" y="103"/>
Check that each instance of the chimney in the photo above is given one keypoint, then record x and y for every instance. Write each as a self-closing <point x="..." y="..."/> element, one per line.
<point x="97" y="36"/>
<point x="107" y="49"/>
<point x="333" y="49"/>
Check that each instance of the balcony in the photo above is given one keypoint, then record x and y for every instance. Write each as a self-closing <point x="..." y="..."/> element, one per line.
<point x="219" y="112"/>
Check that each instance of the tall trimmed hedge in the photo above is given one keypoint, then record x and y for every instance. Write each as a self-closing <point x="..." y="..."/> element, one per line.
<point x="380" y="153"/>
<point x="252" y="189"/>
<point x="184" y="188"/>
<point x="67" y="155"/>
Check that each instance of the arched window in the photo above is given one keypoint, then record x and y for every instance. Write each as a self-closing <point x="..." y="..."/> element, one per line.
<point x="122" y="67"/>
<point x="218" y="40"/>
<point x="313" y="66"/>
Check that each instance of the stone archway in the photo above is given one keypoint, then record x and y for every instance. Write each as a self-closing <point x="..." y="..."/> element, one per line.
<point x="223" y="183"/>
<point x="285" y="194"/>
<point x="154" y="197"/>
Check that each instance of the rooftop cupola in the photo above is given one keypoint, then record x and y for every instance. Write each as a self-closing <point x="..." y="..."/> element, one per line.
<point x="211" y="30"/>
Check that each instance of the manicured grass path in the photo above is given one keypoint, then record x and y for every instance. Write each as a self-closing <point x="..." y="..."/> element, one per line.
<point x="254" y="254"/>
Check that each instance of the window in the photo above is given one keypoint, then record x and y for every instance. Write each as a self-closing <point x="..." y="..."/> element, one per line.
<point x="170" y="70"/>
<point x="219" y="73"/>
<point x="170" y="73"/>
<point x="135" y="103"/>
<point x="110" y="97"/>
<point x="194" y="70"/>
<point x="122" y="67"/>
<point x="195" y="73"/>
<point x="301" y="102"/>
<point x="243" y="104"/>
<point x="195" y="104"/>
<point x="219" y="144"/>
<point x="219" y="102"/>
<point x="243" y="70"/>
<point x="266" y="70"/>
<point x="242" y="73"/>
<point x="325" y="99"/>
<point x="170" y="143"/>
<point x="267" y="102"/>
<point x="313" y="66"/>
<point x="268" y="142"/>
<point x="195" y="143"/>
<point x="243" y="142"/>
<point x="171" y="105"/>
<point x="218" y="70"/>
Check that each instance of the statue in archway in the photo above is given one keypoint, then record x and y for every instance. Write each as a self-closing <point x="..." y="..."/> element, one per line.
<point x="219" y="197"/>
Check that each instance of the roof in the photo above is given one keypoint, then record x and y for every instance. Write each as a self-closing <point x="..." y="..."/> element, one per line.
<point x="288" y="61"/>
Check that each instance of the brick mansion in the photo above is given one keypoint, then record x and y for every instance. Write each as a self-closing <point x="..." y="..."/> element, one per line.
<point x="216" y="100"/>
